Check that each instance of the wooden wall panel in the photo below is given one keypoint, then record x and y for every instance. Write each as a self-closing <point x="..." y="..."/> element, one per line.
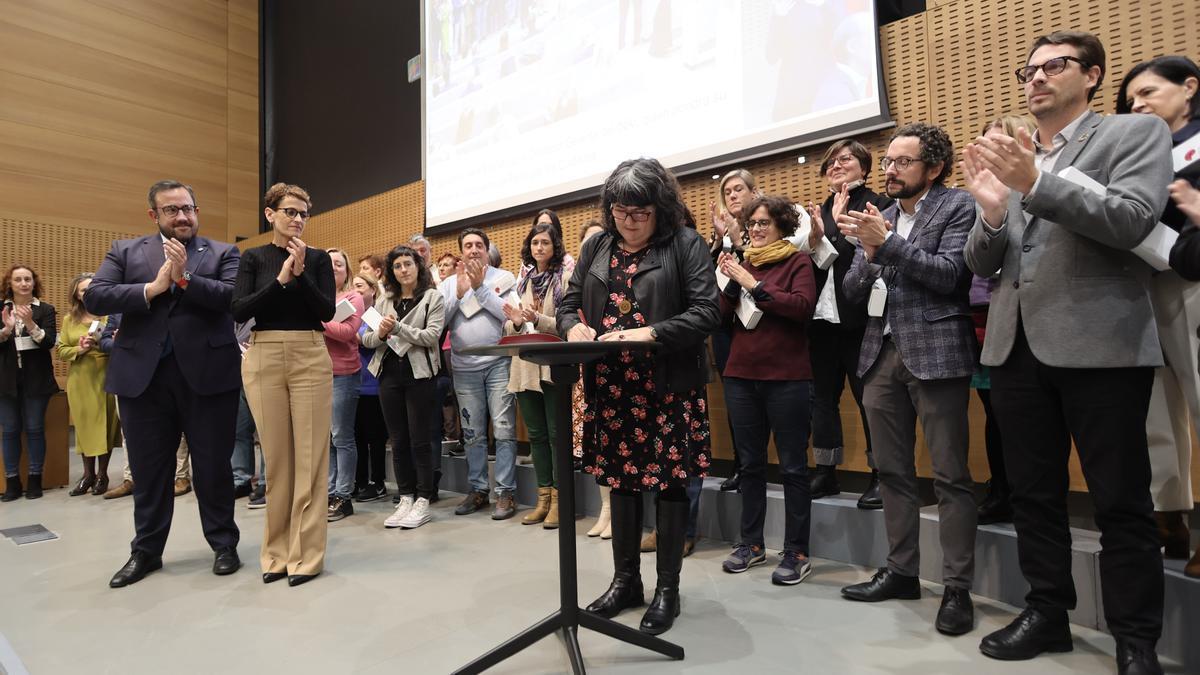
<point x="951" y="65"/>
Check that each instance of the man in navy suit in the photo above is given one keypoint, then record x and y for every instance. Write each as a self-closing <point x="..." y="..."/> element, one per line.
<point x="175" y="369"/>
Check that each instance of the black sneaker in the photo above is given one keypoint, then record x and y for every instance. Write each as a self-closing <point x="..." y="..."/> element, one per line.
<point x="339" y="508"/>
<point x="242" y="490"/>
<point x="258" y="498"/>
<point x="371" y="492"/>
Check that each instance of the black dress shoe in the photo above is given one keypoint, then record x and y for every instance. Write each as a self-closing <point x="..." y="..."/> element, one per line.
<point x="957" y="613"/>
<point x="732" y="483"/>
<point x="871" y="499"/>
<point x="139" y="565"/>
<point x="297" y="579"/>
<point x="226" y="562"/>
<point x="885" y="585"/>
<point x="1028" y="635"/>
<point x="824" y="482"/>
<point x="272" y="577"/>
<point x="995" y="508"/>
<point x="242" y="490"/>
<point x="1135" y="659"/>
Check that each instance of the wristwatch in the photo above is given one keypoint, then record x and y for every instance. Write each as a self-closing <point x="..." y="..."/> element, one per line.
<point x="653" y="333"/>
<point x="184" y="280"/>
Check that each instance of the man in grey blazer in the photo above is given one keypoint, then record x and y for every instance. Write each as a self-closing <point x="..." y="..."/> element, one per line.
<point x="917" y="357"/>
<point x="1072" y="343"/>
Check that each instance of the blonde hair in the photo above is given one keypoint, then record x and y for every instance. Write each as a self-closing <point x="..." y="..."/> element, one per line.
<point x="747" y="178"/>
<point x="345" y="257"/>
<point x="1010" y="123"/>
<point x="371" y="281"/>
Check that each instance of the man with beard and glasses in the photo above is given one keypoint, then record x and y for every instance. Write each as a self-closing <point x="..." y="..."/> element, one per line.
<point x="175" y="371"/>
<point x="917" y="357"/>
<point x="1072" y="342"/>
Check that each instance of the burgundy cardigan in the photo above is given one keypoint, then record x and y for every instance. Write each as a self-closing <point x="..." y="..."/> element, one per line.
<point x="777" y="349"/>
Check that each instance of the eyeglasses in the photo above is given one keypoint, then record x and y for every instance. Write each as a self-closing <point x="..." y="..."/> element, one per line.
<point x="759" y="224"/>
<point x="639" y="216"/>
<point x="901" y="163"/>
<point x="844" y="160"/>
<point x="1052" y="67"/>
<point x="293" y="213"/>
<point x="171" y="210"/>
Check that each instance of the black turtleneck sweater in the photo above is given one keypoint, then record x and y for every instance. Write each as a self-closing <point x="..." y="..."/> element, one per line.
<point x="302" y="304"/>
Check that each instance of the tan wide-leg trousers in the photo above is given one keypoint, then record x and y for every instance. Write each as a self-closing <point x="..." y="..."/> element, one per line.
<point x="288" y="379"/>
<point x="1175" y="399"/>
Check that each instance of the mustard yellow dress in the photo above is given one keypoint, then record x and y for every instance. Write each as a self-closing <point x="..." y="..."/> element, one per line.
<point x="93" y="410"/>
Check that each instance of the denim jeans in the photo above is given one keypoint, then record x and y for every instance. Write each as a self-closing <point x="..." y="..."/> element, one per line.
<point x="758" y="408"/>
<point x="443" y="385"/>
<point x="483" y="394"/>
<point x="28" y="413"/>
<point x="343" y="453"/>
<point x="243" y="444"/>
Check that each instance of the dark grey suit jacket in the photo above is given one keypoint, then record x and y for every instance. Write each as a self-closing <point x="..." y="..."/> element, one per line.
<point x="1068" y="272"/>
<point x="927" y="282"/>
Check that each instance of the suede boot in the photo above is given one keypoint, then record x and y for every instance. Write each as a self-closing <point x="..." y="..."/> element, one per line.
<point x="626" y="589"/>
<point x="538" y="514"/>
<point x="551" y="521"/>
<point x="672" y="519"/>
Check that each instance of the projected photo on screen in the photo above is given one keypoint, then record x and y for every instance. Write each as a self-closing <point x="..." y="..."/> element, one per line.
<point x="530" y="100"/>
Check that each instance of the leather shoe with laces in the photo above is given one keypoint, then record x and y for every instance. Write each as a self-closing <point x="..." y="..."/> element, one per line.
<point x="1136" y="659"/>
<point x="139" y="565"/>
<point x="885" y="585"/>
<point x="957" y="613"/>
<point x="871" y="499"/>
<point x="226" y="561"/>
<point x="1028" y="635"/>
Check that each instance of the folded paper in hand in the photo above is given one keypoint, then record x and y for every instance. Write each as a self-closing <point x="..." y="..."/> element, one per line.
<point x="343" y="311"/>
<point x="372" y="317"/>
<point x="1155" y="249"/>
<point x="470" y="305"/>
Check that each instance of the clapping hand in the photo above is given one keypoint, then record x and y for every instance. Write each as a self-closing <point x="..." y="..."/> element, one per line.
<point x="86" y="343"/>
<point x="10" y="321"/>
<point x="176" y="255"/>
<point x="817" y="232"/>
<point x="25" y="315"/>
<point x="869" y="226"/>
<point x="733" y="270"/>
<point x="298" y="249"/>
<point x="1187" y="198"/>
<point x="386" y="325"/>
<point x="475" y="271"/>
<point x="162" y="281"/>
<point x="721" y="220"/>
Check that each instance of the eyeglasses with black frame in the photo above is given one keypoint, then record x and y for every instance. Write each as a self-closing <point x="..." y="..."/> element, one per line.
<point x="1050" y="67"/>
<point x="171" y="210"/>
<point x="762" y="224"/>
<point x="292" y="213"/>
<point x="901" y="163"/>
<point x="639" y="215"/>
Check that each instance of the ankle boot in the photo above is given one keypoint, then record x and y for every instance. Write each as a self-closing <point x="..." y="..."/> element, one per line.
<point x="672" y="525"/>
<point x="538" y="514"/>
<point x="1174" y="534"/>
<point x="649" y="542"/>
<point x="605" y="514"/>
<point x="34" y="491"/>
<point x="551" y="521"/>
<point x="12" y="489"/>
<point x="626" y="589"/>
<point x="1192" y="568"/>
<point x="824" y="481"/>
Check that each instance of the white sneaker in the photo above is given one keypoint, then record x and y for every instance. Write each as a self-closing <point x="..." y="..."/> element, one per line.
<point x="417" y="516"/>
<point x="398" y="516"/>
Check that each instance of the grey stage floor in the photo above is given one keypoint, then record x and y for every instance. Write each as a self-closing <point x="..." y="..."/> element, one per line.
<point x="429" y="600"/>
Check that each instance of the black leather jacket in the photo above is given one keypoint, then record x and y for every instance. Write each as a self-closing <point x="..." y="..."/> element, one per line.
<point x="677" y="292"/>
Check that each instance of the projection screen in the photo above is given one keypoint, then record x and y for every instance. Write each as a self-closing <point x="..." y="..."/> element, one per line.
<point x="532" y="102"/>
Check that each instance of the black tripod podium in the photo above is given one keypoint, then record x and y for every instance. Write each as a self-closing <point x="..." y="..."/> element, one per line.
<point x="564" y="359"/>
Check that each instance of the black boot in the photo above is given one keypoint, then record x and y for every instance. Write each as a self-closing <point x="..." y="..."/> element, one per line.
<point x="996" y="507"/>
<point x="672" y="525"/>
<point x="12" y="489"/>
<point x="870" y="499"/>
<point x="626" y="589"/>
<point x="824" y="481"/>
<point x="733" y="483"/>
<point x="34" y="491"/>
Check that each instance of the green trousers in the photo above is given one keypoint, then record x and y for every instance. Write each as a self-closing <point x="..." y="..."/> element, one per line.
<point x="538" y="409"/>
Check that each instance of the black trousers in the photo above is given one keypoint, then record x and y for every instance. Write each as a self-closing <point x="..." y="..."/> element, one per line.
<point x="152" y="424"/>
<point x="1041" y="409"/>
<point x="370" y="437"/>
<point x="834" y="351"/>
<point x="407" y="410"/>
<point x="994" y="443"/>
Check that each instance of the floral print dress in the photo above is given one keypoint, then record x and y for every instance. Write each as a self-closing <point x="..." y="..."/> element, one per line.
<point x="637" y="437"/>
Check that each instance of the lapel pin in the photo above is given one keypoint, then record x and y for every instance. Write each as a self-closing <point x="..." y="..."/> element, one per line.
<point x="1083" y="137"/>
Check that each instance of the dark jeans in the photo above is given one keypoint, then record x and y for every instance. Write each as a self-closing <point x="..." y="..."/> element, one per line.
<point x="721" y="341"/>
<point x="834" y="352"/>
<point x="406" y="403"/>
<point x="370" y="436"/>
<point x="243" y="443"/>
<point x="28" y="413"/>
<point x="759" y="408"/>
<point x="443" y="387"/>
<point x="1041" y="409"/>
<point x="994" y="443"/>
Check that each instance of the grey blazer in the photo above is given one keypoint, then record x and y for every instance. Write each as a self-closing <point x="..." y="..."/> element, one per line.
<point x="422" y="328"/>
<point x="1066" y="269"/>
<point x="927" y="281"/>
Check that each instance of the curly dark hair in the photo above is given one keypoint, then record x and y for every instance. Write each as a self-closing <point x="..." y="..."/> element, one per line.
<point x="555" y="238"/>
<point x="424" y="278"/>
<point x="936" y="146"/>
<point x="1176" y="69"/>
<point x="6" y="285"/>
<point x="780" y="209"/>
<point x="644" y="182"/>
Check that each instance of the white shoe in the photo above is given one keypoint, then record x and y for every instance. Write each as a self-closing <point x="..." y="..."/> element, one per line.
<point x="602" y="522"/>
<point x="417" y="516"/>
<point x="402" y="509"/>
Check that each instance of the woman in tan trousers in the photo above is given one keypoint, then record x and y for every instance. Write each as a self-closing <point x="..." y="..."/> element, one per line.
<point x="288" y="289"/>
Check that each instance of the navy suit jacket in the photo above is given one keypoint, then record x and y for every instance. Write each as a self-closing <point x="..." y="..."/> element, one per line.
<point x="197" y="319"/>
<point x="928" y="281"/>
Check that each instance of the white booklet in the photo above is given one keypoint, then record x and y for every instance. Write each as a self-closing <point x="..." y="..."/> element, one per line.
<point x="747" y="311"/>
<point x="1155" y="249"/>
<point x="372" y="317"/>
<point x="343" y="311"/>
<point x="470" y="305"/>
